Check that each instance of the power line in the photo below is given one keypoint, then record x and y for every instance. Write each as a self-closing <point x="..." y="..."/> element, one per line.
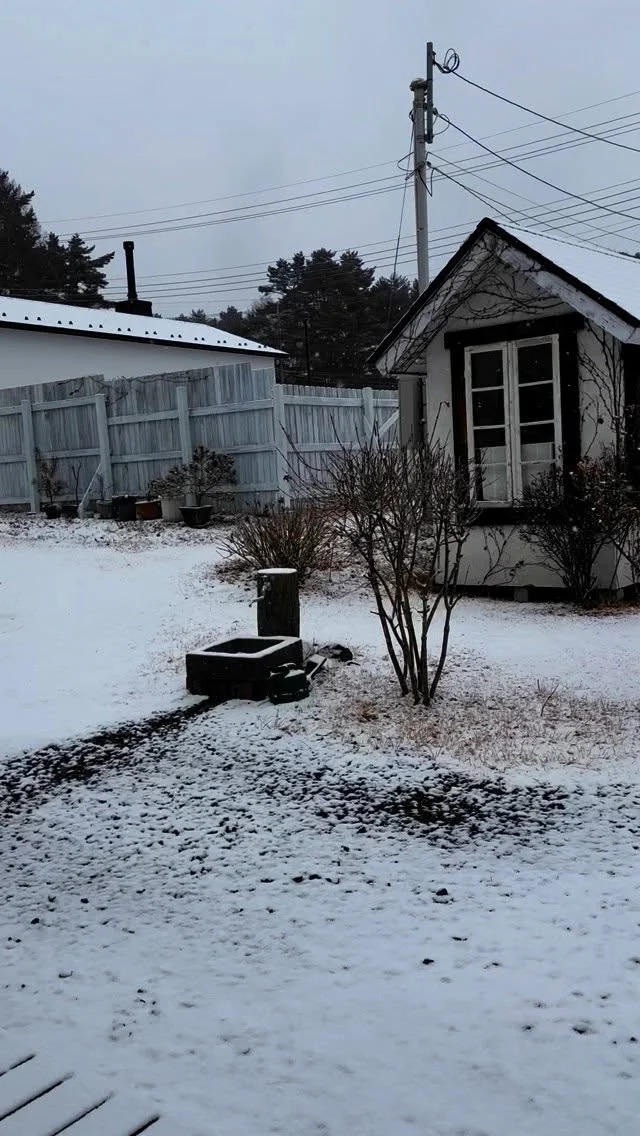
<point x="536" y="177"/>
<point x="537" y="113"/>
<point x="323" y="177"/>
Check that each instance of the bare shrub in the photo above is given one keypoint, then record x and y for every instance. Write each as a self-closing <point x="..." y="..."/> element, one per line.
<point x="49" y="481"/>
<point x="572" y="520"/>
<point x="406" y="515"/>
<point x="300" y="537"/>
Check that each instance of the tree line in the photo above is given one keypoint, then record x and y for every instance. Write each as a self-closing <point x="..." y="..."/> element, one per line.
<point x="327" y="312"/>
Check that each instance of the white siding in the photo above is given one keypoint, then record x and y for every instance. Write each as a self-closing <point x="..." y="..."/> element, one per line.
<point x="28" y="357"/>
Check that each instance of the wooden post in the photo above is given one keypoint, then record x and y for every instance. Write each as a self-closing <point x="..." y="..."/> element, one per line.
<point x="281" y="445"/>
<point x="102" y="424"/>
<point x="278" y="602"/>
<point x="184" y="428"/>
<point x="368" y="413"/>
<point x="29" y="448"/>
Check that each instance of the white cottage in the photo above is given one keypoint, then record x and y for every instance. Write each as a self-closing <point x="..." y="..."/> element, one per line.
<point x="524" y="351"/>
<point x="43" y="342"/>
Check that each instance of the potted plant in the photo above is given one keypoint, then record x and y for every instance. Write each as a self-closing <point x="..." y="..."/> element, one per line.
<point x="69" y="510"/>
<point x="50" y="485"/>
<point x="206" y="472"/>
<point x="124" y="507"/>
<point x="170" y="490"/>
<point x="149" y="507"/>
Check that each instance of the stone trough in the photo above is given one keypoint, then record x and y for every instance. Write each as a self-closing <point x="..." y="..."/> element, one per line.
<point x="240" y="668"/>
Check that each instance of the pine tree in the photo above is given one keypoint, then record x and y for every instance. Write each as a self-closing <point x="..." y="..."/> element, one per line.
<point x="21" y="253"/>
<point x="40" y="266"/>
<point x="85" y="279"/>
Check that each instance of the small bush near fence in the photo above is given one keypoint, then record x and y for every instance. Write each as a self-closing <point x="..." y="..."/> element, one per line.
<point x="301" y="537"/>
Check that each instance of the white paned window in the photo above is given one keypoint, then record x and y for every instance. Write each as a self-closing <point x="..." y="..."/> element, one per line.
<point x="513" y="414"/>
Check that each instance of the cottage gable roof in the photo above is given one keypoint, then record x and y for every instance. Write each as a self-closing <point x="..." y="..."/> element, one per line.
<point x="594" y="281"/>
<point x="105" y="323"/>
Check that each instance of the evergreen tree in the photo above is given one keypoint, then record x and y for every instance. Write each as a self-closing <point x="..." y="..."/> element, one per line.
<point x="39" y="266"/>
<point x="84" y="279"/>
<point x="327" y="313"/>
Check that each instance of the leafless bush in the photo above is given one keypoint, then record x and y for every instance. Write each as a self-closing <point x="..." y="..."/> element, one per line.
<point x="300" y="537"/>
<point x="572" y="520"/>
<point x="406" y="514"/>
<point x="49" y="481"/>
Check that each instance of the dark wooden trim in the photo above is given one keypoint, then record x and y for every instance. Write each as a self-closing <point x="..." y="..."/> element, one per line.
<point x="459" y="407"/>
<point x="631" y="374"/>
<point x="520" y="329"/>
<point x="570" y="401"/>
<point x="157" y="341"/>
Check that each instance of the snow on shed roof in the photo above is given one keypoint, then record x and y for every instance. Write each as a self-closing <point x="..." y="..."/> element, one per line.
<point x="106" y="323"/>
<point x="613" y="275"/>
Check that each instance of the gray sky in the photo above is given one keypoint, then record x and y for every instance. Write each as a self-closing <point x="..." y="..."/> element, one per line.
<point x="114" y="107"/>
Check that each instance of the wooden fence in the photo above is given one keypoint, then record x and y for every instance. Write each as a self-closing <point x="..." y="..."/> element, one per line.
<point x="116" y="437"/>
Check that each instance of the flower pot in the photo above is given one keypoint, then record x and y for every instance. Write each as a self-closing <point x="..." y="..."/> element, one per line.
<point x="104" y="509"/>
<point x="51" y="511"/>
<point x="148" y="510"/>
<point x="70" y="512"/>
<point x="124" y="507"/>
<point x="196" y="516"/>
<point x="171" y="508"/>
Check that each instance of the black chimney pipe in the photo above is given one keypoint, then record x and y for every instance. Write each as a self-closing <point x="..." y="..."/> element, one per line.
<point x="132" y="295"/>
<point x="132" y="305"/>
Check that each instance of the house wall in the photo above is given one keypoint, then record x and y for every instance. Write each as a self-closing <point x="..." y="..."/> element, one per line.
<point x="28" y="357"/>
<point x="517" y="564"/>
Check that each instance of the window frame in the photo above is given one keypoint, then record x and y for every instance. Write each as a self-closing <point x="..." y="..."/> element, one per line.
<point x="512" y="424"/>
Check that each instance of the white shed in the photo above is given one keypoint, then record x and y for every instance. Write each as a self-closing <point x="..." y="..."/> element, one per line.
<point x="44" y="342"/>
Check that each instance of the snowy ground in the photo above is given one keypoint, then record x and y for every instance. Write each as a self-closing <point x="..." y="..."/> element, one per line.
<point x="239" y="916"/>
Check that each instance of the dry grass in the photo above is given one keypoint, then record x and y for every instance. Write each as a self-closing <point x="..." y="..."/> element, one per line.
<point x="534" y="727"/>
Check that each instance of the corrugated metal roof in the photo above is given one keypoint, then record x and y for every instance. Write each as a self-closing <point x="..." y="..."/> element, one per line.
<point x="102" y="322"/>
<point x="614" y="276"/>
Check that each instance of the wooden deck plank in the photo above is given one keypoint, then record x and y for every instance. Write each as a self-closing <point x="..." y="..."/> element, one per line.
<point x="55" y="1110"/>
<point x="120" y="1116"/>
<point x="27" y="1081"/>
<point x="11" y="1051"/>
<point x="164" y="1127"/>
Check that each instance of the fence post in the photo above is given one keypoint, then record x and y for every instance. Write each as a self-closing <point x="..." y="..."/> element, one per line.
<point x="29" y="447"/>
<point x="102" y="423"/>
<point x="182" y="406"/>
<point x="281" y="445"/>
<point x="184" y="428"/>
<point x="368" y="413"/>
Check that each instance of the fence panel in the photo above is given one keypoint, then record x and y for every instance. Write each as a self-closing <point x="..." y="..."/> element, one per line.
<point x="138" y="428"/>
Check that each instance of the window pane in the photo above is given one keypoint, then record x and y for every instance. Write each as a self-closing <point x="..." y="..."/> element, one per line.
<point x="542" y="433"/>
<point x="538" y="452"/>
<point x="536" y="403"/>
<point x="492" y="437"/>
<point x="486" y="369"/>
<point x="491" y="483"/>
<point x="488" y="408"/>
<point x="529" y="472"/>
<point x="535" y="363"/>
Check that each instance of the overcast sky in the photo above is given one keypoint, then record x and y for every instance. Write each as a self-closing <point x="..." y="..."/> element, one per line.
<point x="151" y="105"/>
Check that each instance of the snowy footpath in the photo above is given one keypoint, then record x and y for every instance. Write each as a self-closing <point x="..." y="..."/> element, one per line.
<point x="294" y="921"/>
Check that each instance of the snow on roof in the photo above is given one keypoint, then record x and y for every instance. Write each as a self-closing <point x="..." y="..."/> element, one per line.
<point x="613" y="275"/>
<point x="104" y="322"/>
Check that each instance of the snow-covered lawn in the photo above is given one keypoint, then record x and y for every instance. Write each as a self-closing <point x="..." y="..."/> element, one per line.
<point x="240" y="919"/>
